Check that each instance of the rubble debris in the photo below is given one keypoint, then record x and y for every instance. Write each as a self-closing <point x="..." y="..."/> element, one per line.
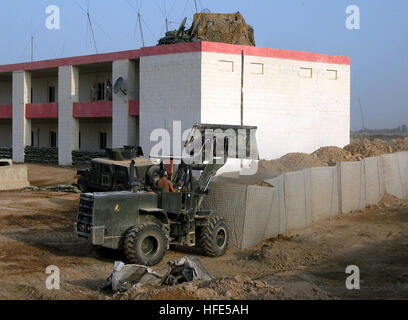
<point x="186" y="270"/>
<point x="127" y="276"/>
<point x="60" y="188"/>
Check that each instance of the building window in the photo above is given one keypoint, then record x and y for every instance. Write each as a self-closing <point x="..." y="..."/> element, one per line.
<point x="51" y="94"/>
<point x="101" y="91"/>
<point x="256" y="68"/>
<point x="32" y="138"/>
<point x="79" y="141"/>
<point x="53" y="139"/>
<point x="306" y="72"/>
<point x="102" y="140"/>
<point x="331" y="74"/>
<point x="226" y="66"/>
<point x="31" y="94"/>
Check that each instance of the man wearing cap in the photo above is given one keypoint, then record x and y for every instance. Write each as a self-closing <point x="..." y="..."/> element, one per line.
<point x="165" y="183"/>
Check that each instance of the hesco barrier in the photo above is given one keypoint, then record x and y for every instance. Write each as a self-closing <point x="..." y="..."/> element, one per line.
<point x="41" y="155"/>
<point x="297" y="199"/>
<point x="83" y="158"/>
<point x="6" y="153"/>
<point x="13" y="177"/>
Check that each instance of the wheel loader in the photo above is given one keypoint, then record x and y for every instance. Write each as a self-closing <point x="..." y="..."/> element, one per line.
<point x="144" y="223"/>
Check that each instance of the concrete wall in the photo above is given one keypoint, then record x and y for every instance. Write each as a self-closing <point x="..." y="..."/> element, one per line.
<point x="284" y="98"/>
<point x="6" y="133"/>
<point x="170" y="90"/>
<point x="90" y="130"/>
<point x="5" y="92"/>
<point x="40" y="89"/>
<point x="42" y="132"/>
<point x="13" y="177"/>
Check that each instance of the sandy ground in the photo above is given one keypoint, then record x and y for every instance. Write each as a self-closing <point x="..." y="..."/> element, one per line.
<point x="36" y="231"/>
<point x="41" y="176"/>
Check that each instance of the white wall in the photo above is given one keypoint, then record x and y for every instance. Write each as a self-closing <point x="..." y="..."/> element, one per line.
<point x="293" y="113"/>
<point x="5" y="134"/>
<point x="90" y="130"/>
<point x="170" y="87"/>
<point x="40" y="89"/>
<point x="5" y="92"/>
<point x="42" y="132"/>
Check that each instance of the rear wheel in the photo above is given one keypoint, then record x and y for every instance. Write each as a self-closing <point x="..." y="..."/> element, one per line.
<point x="153" y="176"/>
<point x="214" y="238"/>
<point x="82" y="184"/>
<point x="145" y="244"/>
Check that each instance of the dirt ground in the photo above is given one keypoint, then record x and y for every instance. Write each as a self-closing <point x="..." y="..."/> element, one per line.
<point x="41" y="176"/>
<point x="36" y="231"/>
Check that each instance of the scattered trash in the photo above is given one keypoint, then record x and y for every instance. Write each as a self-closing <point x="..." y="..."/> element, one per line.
<point x="60" y="188"/>
<point x="186" y="270"/>
<point x="127" y="276"/>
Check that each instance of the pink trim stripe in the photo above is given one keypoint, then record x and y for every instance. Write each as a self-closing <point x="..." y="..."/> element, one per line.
<point x="100" y="109"/>
<point x="203" y="46"/>
<point x="134" y="108"/>
<point x="42" y="111"/>
<point x="6" y="111"/>
<point x="273" y="53"/>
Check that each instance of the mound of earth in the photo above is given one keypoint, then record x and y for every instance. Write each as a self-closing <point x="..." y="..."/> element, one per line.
<point x="365" y="148"/>
<point x="226" y="28"/>
<point x="240" y="287"/>
<point x="333" y="154"/>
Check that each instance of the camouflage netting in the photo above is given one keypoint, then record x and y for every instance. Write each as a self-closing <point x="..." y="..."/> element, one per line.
<point x="226" y="28"/>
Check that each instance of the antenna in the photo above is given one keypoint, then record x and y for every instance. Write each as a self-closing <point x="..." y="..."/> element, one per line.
<point x="362" y="114"/>
<point x="141" y="30"/>
<point x="195" y="3"/>
<point x="89" y="24"/>
<point x="92" y="30"/>
<point x="32" y="48"/>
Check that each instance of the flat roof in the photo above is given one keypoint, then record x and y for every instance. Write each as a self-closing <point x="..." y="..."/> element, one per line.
<point x="199" y="46"/>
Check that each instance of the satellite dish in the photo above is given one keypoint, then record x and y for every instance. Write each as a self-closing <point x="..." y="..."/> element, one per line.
<point x="205" y="11"/>
<point x="119" y="86"/>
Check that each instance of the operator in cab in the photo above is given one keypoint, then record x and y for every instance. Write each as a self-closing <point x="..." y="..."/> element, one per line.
<point x="165" y="183"/>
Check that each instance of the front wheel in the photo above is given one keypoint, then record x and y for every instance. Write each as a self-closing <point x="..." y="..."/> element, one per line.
<point x="145" y="244"/>
<point x="214" y="237"/>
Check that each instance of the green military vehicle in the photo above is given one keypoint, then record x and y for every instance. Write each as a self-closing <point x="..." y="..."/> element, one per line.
<point x="145" y="223"/>
<point x="112" y="173"/>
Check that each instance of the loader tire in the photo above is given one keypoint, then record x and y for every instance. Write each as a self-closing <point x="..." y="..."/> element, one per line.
<point x="214" y="238"/>
<point x="145" y="244"/>
<point x="82" y="184"/>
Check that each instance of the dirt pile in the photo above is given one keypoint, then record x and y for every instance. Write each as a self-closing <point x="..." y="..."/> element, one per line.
<point x="365" y="148"/>
<point x="240" y="287"/>
<point x="333" y="154"/>
<point x="289" y="162"/>
<point x="226" y="28"/>
<point x="399" y="144"/>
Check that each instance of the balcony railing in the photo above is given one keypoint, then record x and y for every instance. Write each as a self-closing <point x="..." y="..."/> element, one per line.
<point x="42" y="110"/>
<point x="6" y="111"/>
<point x="99" y="109"/>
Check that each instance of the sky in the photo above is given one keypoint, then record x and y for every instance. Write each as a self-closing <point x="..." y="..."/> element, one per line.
<point x="378" y="50"/>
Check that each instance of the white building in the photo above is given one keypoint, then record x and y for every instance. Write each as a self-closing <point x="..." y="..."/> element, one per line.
<point x="300" y="101"/>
